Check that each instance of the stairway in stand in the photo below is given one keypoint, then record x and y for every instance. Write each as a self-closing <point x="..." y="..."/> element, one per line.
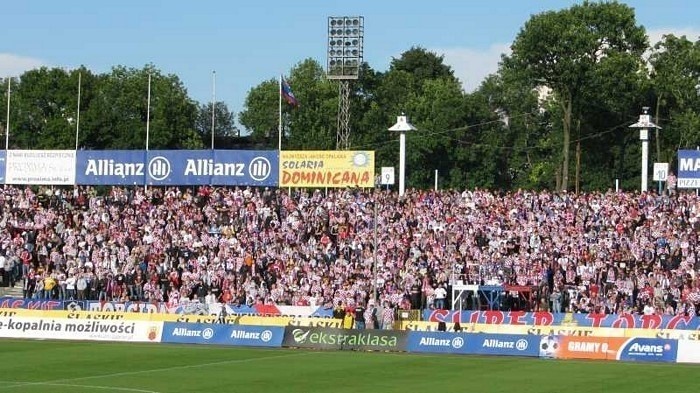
<point x="15" y="291"/>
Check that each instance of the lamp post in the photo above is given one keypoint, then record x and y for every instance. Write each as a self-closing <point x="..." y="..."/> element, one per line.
<point x="644" y="124"/>
<point x="402" y="125"/>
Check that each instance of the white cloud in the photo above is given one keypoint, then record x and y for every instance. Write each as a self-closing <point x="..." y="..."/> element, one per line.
<point x="655" y="35"/>
<point x="15" y="65"/>
<point x="472" y="66"/>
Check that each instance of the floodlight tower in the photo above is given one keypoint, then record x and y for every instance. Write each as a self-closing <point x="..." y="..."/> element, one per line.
<point x="345" y="45"/>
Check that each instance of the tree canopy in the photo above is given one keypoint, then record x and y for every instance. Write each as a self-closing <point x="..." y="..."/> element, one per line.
<point x="555" y="115"/>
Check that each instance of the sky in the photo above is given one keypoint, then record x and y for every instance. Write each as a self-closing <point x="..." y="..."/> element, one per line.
<point x="247" y="42"/>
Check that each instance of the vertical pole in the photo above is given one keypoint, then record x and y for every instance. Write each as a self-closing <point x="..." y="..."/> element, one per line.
<point x="374" y="255"/>
<point x="77" y="121"/>
<point x="643" y="135"/>
<point x="7" y="120"/>
<point x="148" y="129"/>
<point x="279" y="126"/>
<point x="436" y="180"/>
<point x="402" y="163"/>
<point x="213" y="106"/>
<point x="617" y="185"/>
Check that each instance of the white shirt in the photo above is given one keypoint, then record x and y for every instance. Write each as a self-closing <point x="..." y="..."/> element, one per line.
<point x="440" y="293"/>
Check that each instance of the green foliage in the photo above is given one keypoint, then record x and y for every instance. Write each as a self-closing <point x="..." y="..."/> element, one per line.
<point x="576" y="79"/>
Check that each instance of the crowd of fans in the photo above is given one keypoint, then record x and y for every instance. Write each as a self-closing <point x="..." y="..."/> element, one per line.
<point x="607" y="252"/>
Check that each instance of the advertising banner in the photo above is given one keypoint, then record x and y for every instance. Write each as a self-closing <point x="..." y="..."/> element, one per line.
<point x="91" y="330"/>
<point x="609" y="348"/>
<point x="50" y="167"/>
<point x="178" y="167"/>
<point x="688" y="169"/>
<point x="562" y="319"/>
<point x="349" y="339"/>
<point x="326" y="169"/>
<point x="559" y="330"/>
<point x="13" y="302"/>
<point x="237" y="335"/>
<point x="688" y="351"/>
<point x="474" y="344"/>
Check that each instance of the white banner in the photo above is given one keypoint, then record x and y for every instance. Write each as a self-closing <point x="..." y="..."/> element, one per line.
<point x="688" y="351"/>
<point x="51" y="167"/>
<point x="80" y="329"/>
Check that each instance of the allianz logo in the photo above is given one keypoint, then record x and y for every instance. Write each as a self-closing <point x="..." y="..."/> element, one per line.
<point x="206" y="334"/>
<point x="456" y="342"/>
<point x="264" y="336"/>
<point x="519" y="345"/>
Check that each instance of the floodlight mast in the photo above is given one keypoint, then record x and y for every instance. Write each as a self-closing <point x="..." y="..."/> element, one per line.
<point x="345" y="53"/>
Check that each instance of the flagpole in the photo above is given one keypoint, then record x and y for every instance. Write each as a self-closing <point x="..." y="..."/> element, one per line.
<point x="279" y="127"/>
<point x="148" y="112"/>
<point x="77" y="122"/>
<point x="213" y="106"/>
<point x="148" y="127"/>
<point x="7" y="120"/>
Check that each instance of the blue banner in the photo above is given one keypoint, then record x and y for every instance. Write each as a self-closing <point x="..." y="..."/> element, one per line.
<point x="237" y="335"/>
<point x="474" y="344"/>
<point x="688" y="169"/>
<point x="31" y="304"/>
<point x="648" y="350"/>
<point x="178" y="167"/>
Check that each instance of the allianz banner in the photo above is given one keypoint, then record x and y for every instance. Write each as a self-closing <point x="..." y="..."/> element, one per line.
<point x="474" y="344"/>
<point x="178" y="167"/>
<point x="348" y="339"/>
<point x="237" y="335"/>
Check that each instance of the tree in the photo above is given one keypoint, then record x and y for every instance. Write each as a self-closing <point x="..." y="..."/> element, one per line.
<point x="564" y="50"/>
<point x="675" y="75"/>
<point x="118" y="114"/>
<point x="224" y="124"/>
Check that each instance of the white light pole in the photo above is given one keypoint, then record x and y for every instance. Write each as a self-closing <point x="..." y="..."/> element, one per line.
<point x="644" y="124"/>
<point x="402" y="125"/>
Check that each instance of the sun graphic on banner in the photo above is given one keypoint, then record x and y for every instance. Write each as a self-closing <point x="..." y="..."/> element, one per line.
<point x="360" y="159"/>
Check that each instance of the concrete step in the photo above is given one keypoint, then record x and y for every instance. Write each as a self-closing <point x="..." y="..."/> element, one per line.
<point x="15" y="291"/>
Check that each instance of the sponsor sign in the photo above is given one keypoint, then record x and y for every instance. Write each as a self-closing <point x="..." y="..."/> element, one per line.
<point x="558" y="330"/>
<point x="628" y="321"/>
<point x="474" y="344"/>
<point x="92" y="330"/>
<point x="688" y="169"/>
<point x="648" y="350"/>
<point x="178" y="167"/>
<point x="326" y="169"/>
<point x="55" y="167"/>
<point x="352" y="339"/>
<point x="570" y="347"/>
<point x="237" y="335"/>
<point x="688" y="351"/>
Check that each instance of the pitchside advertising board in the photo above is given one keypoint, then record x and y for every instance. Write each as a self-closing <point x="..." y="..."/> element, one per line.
<point x="345" y="339"/>
<point x="91" y="330"/>
<point x="609" y="348"/>
<point x="178" y="167"/>
<point x="474" y="344"/>
<point x="237" y="335"/>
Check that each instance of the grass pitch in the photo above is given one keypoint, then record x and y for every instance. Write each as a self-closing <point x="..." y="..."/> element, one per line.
<point x="76" y="367"/>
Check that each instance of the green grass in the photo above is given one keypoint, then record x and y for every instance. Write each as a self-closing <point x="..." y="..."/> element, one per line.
<point x="51" y="366"/>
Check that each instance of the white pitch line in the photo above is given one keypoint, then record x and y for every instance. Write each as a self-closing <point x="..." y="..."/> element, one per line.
<point x="153" y="370"/>
<point x="48" y="383"/>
